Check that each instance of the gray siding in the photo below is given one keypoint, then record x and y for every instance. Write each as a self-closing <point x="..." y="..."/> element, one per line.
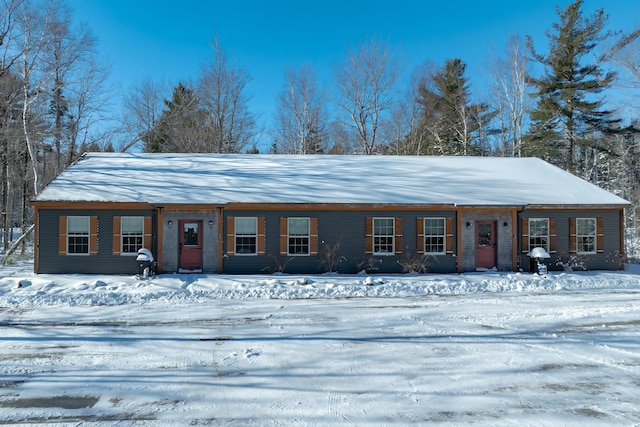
<point x="104" y="263"/>
<point x="343" y="228"/>
<point x="609" y="259"/>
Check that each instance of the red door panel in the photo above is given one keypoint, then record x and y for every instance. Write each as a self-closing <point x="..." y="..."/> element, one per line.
<point x="190" y="256"/>
<point x="485" y="244"/>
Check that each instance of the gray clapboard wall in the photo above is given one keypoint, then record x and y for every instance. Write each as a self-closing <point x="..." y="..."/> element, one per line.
<point x="49" y="261"/>
<point x="343" y="228"/>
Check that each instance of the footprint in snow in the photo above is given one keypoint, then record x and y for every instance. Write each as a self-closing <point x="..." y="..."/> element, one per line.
<point x="250" y="353"/>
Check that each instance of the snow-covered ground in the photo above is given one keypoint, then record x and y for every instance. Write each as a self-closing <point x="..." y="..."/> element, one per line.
<point x="483" y="348"/>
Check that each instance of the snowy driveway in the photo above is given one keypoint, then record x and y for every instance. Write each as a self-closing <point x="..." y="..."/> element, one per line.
<point x="565" y="357"/>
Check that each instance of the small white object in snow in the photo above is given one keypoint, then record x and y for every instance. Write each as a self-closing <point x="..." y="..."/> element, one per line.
<point x="538" y="253"/>
<point x="370" y="281"/>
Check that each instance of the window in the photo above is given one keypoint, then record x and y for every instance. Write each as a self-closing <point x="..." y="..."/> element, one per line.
<point x="298" y="236"/>
<point x="434" y="235"/>
<point x="383" y="235"/>
<point x="539" y="234"/>
<point x="298" y="240"/>
<point x="586" y="235"/>
<point x="78" y="235"/>
<point x="132" y="234"/>
<point x="246" y="236"/>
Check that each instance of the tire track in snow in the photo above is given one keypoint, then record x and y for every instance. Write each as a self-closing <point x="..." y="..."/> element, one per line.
<point x="335" y="402"/>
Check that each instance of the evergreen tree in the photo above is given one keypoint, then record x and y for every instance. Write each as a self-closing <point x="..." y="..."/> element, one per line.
<point x="449" y="123"/>
<point x="569" y="119"/>
<point x="183" y="126"/>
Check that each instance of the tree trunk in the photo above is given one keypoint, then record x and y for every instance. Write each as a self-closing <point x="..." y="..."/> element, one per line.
<point x="21" y="241"/>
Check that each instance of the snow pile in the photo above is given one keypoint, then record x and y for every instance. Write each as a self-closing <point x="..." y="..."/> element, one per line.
<point x="490" y="348"/>
<point x="20" y="287"/>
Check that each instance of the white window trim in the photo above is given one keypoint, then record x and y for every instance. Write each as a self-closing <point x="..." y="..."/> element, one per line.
<point x="236" y="235"/>
<point x="88" y="235"/>
<point x="393" y="236"/>
<point x="444" y="236"/>
<point x="122" y="252"/>
<point x="595" y="236"/>
<point x="308" y="235"/>
<point x="548" y="248"/>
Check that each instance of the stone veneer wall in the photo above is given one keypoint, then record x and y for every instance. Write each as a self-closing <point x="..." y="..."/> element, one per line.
<point x="505" y="238"/>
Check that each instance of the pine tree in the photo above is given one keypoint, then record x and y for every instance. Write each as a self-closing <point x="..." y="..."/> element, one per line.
<point x="449" y="123"/>
<point x="183" y="126"/>
<point x="568" y="119"/>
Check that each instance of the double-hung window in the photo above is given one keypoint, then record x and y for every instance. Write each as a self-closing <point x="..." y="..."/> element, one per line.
<point x="434" y="236"/>
<point x="383" y="235"/>
<point x="539" y="233"/>
<point x="78" y="235"/>
<point x="132" y="233"/>
<point x="298" y="236"/>
<point x="246" y="235"/>
<point x="586" y="235"/>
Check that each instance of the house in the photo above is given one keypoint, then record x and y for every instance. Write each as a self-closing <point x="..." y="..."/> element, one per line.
<point x="225" y="213"/>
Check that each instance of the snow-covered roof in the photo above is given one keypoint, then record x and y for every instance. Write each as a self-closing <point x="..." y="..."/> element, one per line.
<point x="263" y="178"/>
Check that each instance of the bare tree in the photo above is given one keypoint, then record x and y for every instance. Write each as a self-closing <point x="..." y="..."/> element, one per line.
<point x="76" y="80"/>
<point x="511" y="97"/>
<point x="627" y="58"/>
<point x="405" y="119"/>
<point x="340" y="139"/>
<point x="88" y="104"/>
<point x="32" y="25"/>
<point x="142" y="110"/>
<point x="222" y="89"/>
<point x="365" y="81"/>
<point x="10" y="92"/>
<point x="300" y="114"/>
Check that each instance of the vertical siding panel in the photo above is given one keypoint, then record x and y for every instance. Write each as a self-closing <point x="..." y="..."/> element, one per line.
<point x="313" y="231"/>
<point x="62" y="235"/>
<point x="117" y="227"/>
<point x="231" y="235"/>
<point x="284" y="234"/>
<point x="93" y="235"/>
<point x="398" y="235"/>
<point x="262" y="225"/>
<point x="147" y="240"/>
<point x="448" y="235"/>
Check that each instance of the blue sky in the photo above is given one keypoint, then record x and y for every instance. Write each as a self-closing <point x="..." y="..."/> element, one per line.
<point x="169" y="40"/>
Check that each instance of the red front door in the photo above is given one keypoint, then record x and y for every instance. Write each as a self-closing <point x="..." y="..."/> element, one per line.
<point x="190" y="258"/>
<point x="485" y="244"/>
